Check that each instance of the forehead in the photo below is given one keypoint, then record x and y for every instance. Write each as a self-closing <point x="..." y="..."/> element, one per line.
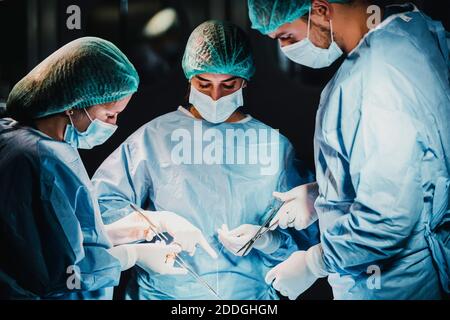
<point x="116" y="105"/>
<point x="214" y="77"/>
<point x="295" y="26"/>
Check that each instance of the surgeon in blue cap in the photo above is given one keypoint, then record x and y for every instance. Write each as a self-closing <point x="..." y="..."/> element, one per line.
<point x="382" y="149"/>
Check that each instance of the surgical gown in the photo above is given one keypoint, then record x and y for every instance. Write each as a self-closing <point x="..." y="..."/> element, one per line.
<point x="144" y="171"/>
<point x="52" y="241"/>
<point x="382" y="164"/>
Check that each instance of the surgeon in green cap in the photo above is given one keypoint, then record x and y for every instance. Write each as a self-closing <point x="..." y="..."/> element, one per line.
<point x="166" y="169"/>
<point x="53" y="242"/>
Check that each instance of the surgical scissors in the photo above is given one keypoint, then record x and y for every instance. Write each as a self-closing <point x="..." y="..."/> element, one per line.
<point x="262" y="230"/>
<point x="178" y="259"/>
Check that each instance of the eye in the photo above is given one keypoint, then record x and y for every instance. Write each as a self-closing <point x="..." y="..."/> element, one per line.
<point x="229" y="87"/>
<point x="204" y="86"/>
<point x="285" y="37"/>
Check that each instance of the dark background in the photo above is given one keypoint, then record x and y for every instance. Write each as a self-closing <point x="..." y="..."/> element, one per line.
<point x="282" y="94"/>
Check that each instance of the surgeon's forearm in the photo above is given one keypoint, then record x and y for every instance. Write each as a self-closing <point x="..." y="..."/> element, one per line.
<point x="359" y="239"/>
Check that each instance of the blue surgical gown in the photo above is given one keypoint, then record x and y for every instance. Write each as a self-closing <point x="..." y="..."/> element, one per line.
<point x="143" y="170"/>
<point x="51" y="229"/>
<point x="382" y="164"/>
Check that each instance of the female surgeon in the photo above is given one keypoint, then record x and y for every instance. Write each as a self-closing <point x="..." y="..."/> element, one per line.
<point x="182" y="165"/>
<point x="53" y="243"/>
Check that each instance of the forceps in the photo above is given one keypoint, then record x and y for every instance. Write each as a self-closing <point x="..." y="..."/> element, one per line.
<point x="178" y="259"/>
<point x="262" y="230"/>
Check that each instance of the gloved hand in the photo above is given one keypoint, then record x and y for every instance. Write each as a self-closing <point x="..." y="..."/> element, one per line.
<point x="184" y="233"/>
<point x="298" y="210"/>
<point x="295" y="275"/>
<point x="157" y="257"/>
<point x="132" y="228"/>
<point x="235" y="239"/>
<point x="135" y="227"/>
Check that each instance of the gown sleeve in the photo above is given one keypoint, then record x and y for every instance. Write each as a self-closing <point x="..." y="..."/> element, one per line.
<point x="49" y="226"/>
<point x="123" y="178"/>
<point x="383" y="150"/>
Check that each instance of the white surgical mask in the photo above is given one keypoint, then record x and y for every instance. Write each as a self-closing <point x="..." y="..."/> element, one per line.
<point x="215" y="111"/>
<point x="96" y="134"/>
<point x="307" y="54"/>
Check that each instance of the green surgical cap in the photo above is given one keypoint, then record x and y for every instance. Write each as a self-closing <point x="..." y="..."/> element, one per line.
<point x="268" y="15"/>
<point x="85" y="72"/>
<point x="218" y="47"/>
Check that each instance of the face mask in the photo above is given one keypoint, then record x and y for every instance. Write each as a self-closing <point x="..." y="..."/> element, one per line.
<point x="215" y="111"/>
<point x="96" y="134"/>
<point x="306" y="53"/>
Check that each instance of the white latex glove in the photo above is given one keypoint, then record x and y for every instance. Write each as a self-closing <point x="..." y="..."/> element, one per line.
<point x="298" y="210"/>
<point x="157" y="257"/>
<point x="235" y="239"/>
<point x="132" y="228"/>
<point x="295" y="275"/>
<point x="183" y="232"/>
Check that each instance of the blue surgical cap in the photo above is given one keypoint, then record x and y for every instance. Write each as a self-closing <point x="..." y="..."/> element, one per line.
<point x="218" y="47"/>
<point x="85" y="72"/>
<point x="268" y="15"/>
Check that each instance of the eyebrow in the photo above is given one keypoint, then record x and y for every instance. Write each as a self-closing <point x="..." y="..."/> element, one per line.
<point x="279" y="34"/>
<point x="274" y="34"/>
<point x="226" y="80"/>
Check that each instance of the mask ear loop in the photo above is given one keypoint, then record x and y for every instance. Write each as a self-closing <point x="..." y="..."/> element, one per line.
<point x="309" y="21"/>
<point x="87" y="113"/>
<point x="70" y="118"/>
<point x="309" y="25"/>
<point x="71" y="121"/>
<point x="331" y="29"/>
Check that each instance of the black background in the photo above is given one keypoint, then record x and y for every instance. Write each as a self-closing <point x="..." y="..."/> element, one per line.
<point x="282" y="95"/>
